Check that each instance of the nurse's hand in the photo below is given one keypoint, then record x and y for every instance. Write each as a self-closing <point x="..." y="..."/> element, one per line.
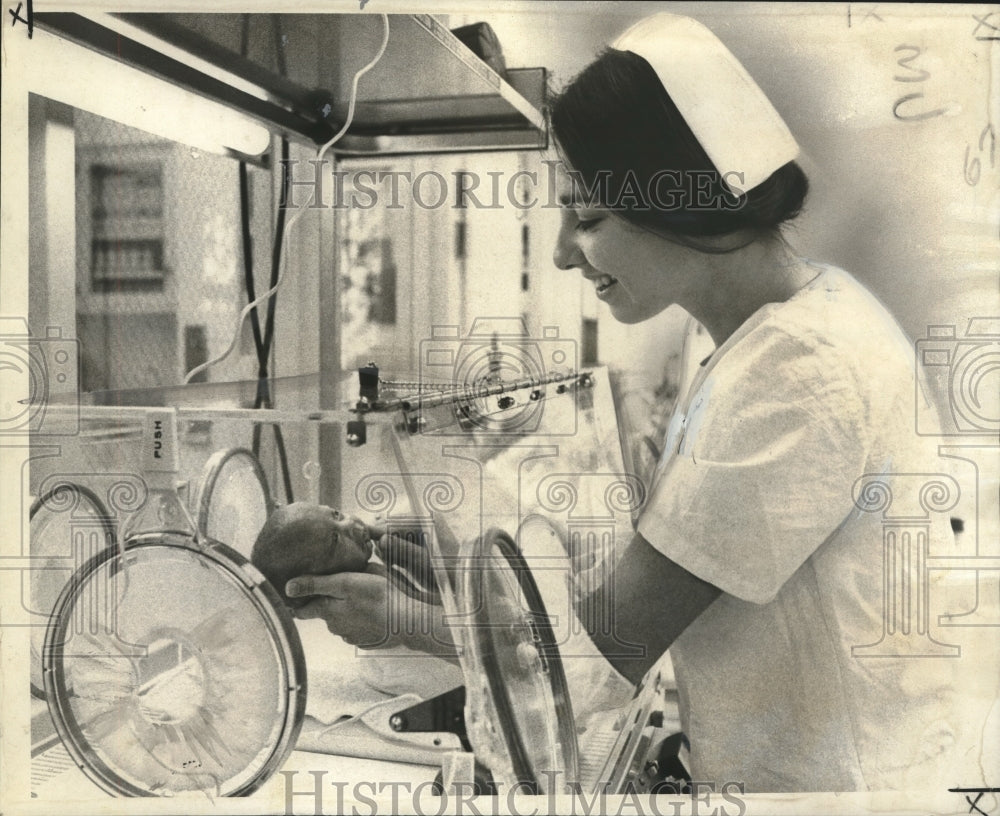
<point x="356" y="606"/>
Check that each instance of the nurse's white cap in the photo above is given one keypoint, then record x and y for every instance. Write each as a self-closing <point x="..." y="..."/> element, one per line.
<point x="727" y="112"/>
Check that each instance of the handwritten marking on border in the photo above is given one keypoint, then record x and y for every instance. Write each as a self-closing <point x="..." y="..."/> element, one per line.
<point x="29" y="21"/>
<point x="974" y="803"/>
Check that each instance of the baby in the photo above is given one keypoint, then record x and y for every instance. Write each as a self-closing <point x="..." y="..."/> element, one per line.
<point x="308" y="539"/>
<point x="311" y="539"/>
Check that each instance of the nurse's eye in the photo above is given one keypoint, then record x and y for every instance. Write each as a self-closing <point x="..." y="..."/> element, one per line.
<point x="587" y="224"/>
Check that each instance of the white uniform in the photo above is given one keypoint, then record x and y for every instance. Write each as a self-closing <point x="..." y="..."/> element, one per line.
<point x="820" y="667"/>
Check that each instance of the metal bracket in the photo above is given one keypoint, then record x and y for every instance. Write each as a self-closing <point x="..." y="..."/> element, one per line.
<point x="357" y="431"/>
<point x="446" y="713"/>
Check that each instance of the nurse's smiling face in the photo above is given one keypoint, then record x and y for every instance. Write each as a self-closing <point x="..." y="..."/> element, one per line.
<point x="636" y="272"/>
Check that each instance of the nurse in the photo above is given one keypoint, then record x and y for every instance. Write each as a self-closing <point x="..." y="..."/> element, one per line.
<point x="758" y="557"/>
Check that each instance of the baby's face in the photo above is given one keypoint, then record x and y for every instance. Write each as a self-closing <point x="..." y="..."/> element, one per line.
<point x="306" y="539"/>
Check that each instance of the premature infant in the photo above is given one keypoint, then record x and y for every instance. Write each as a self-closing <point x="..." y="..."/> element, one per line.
<point x="306" y="539"/>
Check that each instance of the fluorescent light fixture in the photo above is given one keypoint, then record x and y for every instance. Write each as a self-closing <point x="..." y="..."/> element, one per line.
<point x="139" y="35"/>
<point x="77" y="76"/>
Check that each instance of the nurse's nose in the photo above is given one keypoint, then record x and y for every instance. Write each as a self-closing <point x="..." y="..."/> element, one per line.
<point x="567" y="254"/>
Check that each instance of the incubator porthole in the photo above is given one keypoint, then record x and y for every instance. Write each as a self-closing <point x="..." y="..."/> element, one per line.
<point x="196" y="683"/>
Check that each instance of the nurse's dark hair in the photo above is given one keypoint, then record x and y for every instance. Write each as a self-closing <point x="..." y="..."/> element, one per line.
<point x="615" y="120"/>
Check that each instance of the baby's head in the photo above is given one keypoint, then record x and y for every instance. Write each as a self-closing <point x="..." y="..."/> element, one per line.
<point x="305" y="539"/>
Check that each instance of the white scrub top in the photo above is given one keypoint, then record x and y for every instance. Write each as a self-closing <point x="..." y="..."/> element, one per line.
<point x="820" y="666"/>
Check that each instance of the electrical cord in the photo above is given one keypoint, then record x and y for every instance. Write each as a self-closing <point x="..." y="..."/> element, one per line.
<point x="263" y="341"/>
<point x="298" y="214"/>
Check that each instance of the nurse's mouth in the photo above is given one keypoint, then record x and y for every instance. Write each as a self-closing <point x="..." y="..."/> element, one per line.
<point x="604" y="284"/>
